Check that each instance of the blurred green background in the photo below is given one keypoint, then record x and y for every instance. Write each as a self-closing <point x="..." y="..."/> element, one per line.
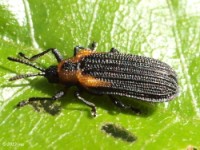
<point x="166" y="30"/>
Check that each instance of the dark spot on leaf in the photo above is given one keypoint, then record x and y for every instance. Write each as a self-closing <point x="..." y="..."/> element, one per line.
<point x="118" y="132"/>
<point x="49" y="107"/>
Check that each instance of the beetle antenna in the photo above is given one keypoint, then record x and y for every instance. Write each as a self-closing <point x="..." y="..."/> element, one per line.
<point x="22" y="61"/>
<point x="22" y="76"/>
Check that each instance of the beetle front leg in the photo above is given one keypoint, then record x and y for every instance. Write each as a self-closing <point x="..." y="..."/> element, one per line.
<point x="53" y="98"/>
<point x="76" y="49"/>
<point x="55" y="52"/>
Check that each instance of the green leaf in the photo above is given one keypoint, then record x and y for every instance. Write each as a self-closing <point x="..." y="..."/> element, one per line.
<point x="165" y="30"/>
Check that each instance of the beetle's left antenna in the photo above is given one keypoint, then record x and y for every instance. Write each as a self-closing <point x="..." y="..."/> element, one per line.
<point x="22" y="61"/>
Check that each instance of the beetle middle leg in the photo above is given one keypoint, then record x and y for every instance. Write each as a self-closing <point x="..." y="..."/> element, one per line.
<point x="91" y="105"/>
<point x="120" y="104"/>
<point x="55" y="52"/>
<point x="53" y="98"/>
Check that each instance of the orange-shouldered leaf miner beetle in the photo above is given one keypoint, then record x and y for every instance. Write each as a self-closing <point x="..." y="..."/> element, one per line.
<point x="111" y="73"/>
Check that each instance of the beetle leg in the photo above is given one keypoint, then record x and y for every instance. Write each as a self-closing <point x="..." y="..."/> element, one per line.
<point x="91" y="105"/>
<point x="94" y="46"/>
<point x="76" y="49"/>
<point x="55" y="97"/>
<point x="114" y="50"/>
<point x="119" y="104"/>
<point x="55" y="52"/>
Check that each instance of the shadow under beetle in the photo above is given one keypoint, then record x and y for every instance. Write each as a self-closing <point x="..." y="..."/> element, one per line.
<point x="111" y="73"/>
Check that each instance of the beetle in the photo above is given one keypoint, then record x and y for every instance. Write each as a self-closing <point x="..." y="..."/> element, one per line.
<point x="111" y="73"/>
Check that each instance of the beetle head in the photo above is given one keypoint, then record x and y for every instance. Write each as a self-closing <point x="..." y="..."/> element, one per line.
<point x="51" y="74"/>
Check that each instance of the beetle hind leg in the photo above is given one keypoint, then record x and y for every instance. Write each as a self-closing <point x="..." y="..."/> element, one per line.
<point x="120" y="104"/>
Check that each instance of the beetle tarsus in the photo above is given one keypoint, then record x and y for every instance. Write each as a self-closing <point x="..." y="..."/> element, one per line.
<point x="91" y="105"/>
<point x="94" y="111"/>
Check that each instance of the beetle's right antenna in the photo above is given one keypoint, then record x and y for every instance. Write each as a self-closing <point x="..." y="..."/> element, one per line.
<point x="22" y="61"/>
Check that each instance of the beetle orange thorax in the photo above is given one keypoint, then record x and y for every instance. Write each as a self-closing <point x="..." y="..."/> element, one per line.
<point x="67" y="71"/>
